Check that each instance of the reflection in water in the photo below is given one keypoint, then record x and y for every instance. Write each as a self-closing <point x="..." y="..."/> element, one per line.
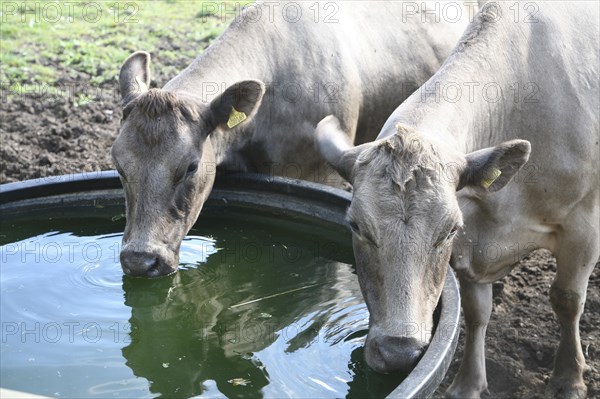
<point x="251" y="321"/>
<point x="260" y="310"/>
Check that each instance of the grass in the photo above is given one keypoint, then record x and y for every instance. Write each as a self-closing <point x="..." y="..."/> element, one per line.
<point x="46" y="40"/>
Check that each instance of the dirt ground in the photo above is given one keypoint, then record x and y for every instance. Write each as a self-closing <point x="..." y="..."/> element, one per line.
<point x="46" y="134"/>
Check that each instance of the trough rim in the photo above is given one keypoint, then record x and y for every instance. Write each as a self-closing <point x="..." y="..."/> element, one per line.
<point x="423" y="380"/>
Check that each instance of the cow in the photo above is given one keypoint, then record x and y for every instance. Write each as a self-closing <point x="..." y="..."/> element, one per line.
<point x="280" y="76"/>
<point x="435" y="187"/>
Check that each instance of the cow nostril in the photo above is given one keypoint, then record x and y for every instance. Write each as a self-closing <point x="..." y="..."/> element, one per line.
<point x="152" y="267"/>
<point x="413" y="356"/>
<point x="150" y="263"/>
<point x="153" y="271"/>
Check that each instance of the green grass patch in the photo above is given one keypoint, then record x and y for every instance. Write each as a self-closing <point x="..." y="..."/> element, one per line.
<point x="41" y="41"/>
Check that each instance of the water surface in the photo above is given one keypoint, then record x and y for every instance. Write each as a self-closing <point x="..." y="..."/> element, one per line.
<point x="259" y="308"/>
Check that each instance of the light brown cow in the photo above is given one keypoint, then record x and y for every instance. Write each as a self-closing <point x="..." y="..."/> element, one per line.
<point x="435" y="187"/>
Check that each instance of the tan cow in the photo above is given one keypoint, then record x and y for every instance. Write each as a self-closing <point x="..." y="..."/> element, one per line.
<point x="435" y="187"/>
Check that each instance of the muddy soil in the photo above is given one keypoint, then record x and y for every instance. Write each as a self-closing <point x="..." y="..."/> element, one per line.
<point x="523" y="333"/>
<point x="44" y="134"/>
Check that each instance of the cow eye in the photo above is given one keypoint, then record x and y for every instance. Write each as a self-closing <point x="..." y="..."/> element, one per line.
<point x="453" y="232"/>
<point x="192" y="168"/>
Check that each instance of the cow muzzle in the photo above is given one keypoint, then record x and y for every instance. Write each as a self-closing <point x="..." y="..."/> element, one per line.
<point x="147" y="262"/>
<point x="388" y="354"/>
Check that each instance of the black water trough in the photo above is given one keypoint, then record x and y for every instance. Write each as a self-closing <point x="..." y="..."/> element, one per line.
<point x="259" y="195"/>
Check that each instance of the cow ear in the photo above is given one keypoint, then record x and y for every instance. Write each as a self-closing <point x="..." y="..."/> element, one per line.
<point x="237" y="104"/>
<point x="134" y="78"/>
<point x="336" y="148"/>
<point x="490" y="169"/>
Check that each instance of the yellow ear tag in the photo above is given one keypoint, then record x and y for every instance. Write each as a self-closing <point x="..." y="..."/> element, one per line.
<point x="488" y="181"/>
<point x="235" y="118"/>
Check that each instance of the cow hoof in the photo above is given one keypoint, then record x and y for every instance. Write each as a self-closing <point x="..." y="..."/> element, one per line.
<point x="563" y="389"/>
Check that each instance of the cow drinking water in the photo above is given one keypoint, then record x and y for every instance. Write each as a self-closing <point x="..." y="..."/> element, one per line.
<point x="280" y="76"/>
<point x="435" y="188"/>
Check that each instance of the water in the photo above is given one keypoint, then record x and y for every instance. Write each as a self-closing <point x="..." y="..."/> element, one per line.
<point x="259" y="308"/>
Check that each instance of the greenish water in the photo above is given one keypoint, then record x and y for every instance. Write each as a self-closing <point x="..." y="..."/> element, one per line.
<point x="259" y="308"/>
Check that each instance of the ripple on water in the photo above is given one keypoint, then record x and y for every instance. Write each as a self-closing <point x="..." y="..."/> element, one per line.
<point x="193" y="255"/>
<point x="98" y="275"/>
<point x="195" y="250"/>
<point x="314" y="356"/>
<point x="48" y="278"/>
<point x="318" y="369"/>
<point x="104" y="271"/>
<point x="99" y="267"/>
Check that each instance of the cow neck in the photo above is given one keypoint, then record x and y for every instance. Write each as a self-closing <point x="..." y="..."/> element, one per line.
<point x="212" y="72"/>
<point x="458" y="106"/>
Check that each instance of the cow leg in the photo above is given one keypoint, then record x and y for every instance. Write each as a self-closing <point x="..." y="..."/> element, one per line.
<point x="477" y="308"/>
<point x="575" y="261"/>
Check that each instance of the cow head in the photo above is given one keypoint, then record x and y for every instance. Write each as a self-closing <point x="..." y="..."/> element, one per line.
<point x="166" y="161"/>
<point x="404" y="216"/>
